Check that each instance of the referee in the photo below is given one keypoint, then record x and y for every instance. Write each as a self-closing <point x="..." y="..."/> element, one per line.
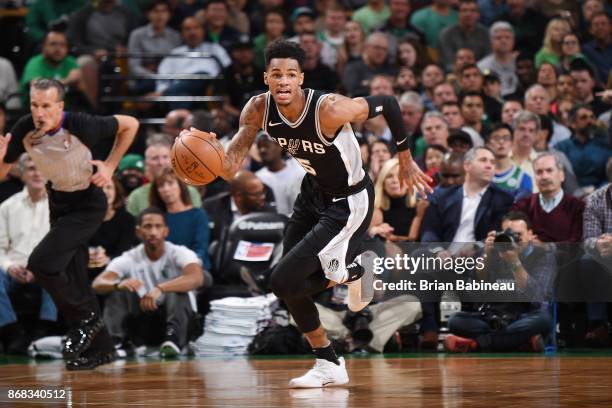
<point x="60" y="144"/>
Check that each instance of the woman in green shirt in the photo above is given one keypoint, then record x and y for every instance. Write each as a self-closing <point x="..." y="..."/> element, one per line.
<point x="551" y="49"/>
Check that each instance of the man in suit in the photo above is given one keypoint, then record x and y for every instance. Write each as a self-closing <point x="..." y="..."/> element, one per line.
<point x="462" y="214"/>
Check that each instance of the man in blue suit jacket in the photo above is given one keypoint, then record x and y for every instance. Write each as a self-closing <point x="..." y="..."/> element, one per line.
<point x="463" y="214"/>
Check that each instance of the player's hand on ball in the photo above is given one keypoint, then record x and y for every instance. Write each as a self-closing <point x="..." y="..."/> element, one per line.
<point x="412" y="176"/>
<point x="104" y="175"/>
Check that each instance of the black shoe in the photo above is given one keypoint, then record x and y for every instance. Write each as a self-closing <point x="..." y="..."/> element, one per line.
<point x="257" y="283"/>
<point x="16" y="339"/>
<point x="89" y="361"/>
<point x="80" y="338"/>
<point x="125" y="349"/>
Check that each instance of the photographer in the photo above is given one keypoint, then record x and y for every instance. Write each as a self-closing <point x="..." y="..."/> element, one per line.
<point x="508" y="326"/>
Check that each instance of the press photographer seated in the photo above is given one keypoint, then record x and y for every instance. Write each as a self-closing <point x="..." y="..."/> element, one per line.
<point x="151" y="282"/>
<point x="509" y="326"/>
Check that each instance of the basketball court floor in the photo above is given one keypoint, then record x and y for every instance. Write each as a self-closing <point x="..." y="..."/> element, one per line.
<point x="435" y="380"/>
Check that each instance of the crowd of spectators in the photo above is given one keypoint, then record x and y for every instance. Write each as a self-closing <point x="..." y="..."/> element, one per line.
<point x="507" y="103"/>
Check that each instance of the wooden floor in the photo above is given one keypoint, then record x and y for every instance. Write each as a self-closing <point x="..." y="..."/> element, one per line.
<point x="436" y="381"/>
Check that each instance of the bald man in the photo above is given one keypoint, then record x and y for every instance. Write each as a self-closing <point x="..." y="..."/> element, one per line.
<point x="247" y="194"/>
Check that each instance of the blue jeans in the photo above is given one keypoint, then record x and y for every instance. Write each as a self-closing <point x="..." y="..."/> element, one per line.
<point x="516" y="334"/>
<point x="48" y="311"/>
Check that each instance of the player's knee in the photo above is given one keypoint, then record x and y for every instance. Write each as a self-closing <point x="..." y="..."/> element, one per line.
<point x="280" y="285"/>
<point x="39" y="263"/>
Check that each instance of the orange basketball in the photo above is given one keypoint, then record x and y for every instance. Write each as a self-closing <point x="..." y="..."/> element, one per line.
<point x="197" y="158"/>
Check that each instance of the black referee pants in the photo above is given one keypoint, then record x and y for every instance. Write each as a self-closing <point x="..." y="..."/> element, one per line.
<point x="59" y="261"/>
<point x="317" y="220"/>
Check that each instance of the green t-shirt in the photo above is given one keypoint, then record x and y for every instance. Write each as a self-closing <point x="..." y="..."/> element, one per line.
<point x="431" y="23"/>
<point x="545" y="56"/>
<point x="37" y="67"/>
<point x="138" y="199"/>
<point x="42" y="12"/>
<point x="369" y="19"/>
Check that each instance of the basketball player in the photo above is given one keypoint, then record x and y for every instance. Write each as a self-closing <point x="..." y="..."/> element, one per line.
<point x="333" y="211"/>
<point x="60" y="144"/>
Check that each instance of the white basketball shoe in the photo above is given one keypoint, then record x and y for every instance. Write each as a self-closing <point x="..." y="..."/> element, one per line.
<point x="323" y="374"/>
<point x="361" y="291"/>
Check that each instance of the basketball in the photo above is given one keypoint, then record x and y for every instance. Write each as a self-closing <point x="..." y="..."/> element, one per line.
<point x="197" y="157"/>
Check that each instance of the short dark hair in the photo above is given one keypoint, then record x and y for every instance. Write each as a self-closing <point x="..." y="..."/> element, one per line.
<point x="42" y="84"/>
<point x="499" y="126"/>
<point x="465" y="67"/>
<point x="465" y="95"/>
<point x="518" y="216"/>
<point x="574" y="111"/>
<point x="546" y="124"/>
<point x="284" y="49"/>
<point x="149" y="211"/>
<point x="449" y="103"/>
<point x="461" y="2"/>
<point x="154" y="3"/>
<point x="209" y="2"/>
<point x="579" y="64"/>
<point x="437" y="147"/>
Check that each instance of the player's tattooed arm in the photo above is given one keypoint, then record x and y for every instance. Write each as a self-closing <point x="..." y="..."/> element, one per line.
<point x="336" y="110"/>
<point x="250" y="122"/>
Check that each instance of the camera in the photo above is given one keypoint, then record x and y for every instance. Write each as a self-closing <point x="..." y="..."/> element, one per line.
<point x="359" y="325"/>
<point x="507" y="238"/>
<point x="495" y="316"/>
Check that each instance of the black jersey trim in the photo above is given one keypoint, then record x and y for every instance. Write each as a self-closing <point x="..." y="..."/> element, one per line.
<point x="323" y="139"/>
<point x="302" y="116"/>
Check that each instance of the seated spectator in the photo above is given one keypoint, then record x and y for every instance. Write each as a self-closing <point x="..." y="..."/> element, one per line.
<point x="192" y="32"/>
<point x="53" y="62"/>
<point x="283" y="176"/>
<point x="242" y="79"/>
<point x="174" y="123"/>
<point x="41" y="13"/>
<point x="443" y="93"/>
<point x="154" y="38"/>
<point x="502" y="59"/>
<point x="412" y="113"/>
<point x="510" y="108"/>
<point x="508" y="175"/>
<point x="462" y="214"/>
<point x="398" y="27"/>
<point x="525" y="72"/>
<point x="551" y="51"/>
<point x="452" y="114"/>
<point x="354" y="45"/>
<point x="155" y="279"/>
<point x="528" y="23"/>
<point x="116" y="234"/>
<point x="24" y="221"/>
<point x="431" y="76"/>
<point x="599" y="50"/>
<point x="597" y="238"/>
<point x="555" y="216"/>
<point x="467" y="33"/>
<point x="588" y="149"/>
<point x="464" y="56"/>
<point x="247" y="194"/>
<point x="188" y="225"/>
<point x="435" y="132"/>
<point x="372" y="16"/>
<point x="432" y="20"/>
<point x="397" y="215"/>
<point x="12" y="183"/>
<point x="434" y="154"/>
<point x="316" y="74"/>
<point x="380" y="153"/>
<point x="584" y="84"/>
<point x="538" y="101"/>
<point x="217" y="29"/>
<point x="533" y="269"/>
<point x="525" y="128"/>
<point x="459" y="141"/>
<point x="472" y="110"/>
<point x="357" y="74"/>
<point x="547" y="77"/>
<point x="451" y="171"/>
<point x="130" y="173"/>
<point x="275" y="27"/>
<point x="472" y="80"/>
<point x="570" y="50"/>
<point x="492" y="86"/>
<point x="157" y="158"/>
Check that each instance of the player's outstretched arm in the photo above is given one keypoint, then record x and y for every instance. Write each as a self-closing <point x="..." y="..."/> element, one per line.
<point x="336" y="110"/>
<point x="250" y="122"/>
